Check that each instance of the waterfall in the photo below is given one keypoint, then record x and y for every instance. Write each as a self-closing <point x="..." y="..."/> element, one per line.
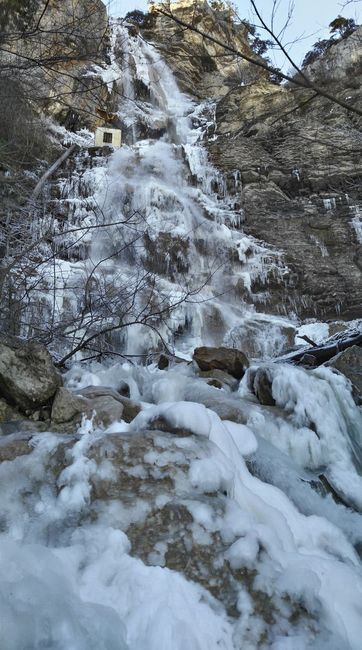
<point x="153" y="228"/>
<point x="207" y="520"/>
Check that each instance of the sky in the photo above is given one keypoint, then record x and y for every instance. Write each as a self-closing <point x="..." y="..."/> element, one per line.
<point x="309" y="22"/>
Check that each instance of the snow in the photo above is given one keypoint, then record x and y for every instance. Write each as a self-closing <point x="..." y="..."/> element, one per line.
<point x="85" y="573"/>
<point x="308" y="547"/>
<point x="316" y="331"/>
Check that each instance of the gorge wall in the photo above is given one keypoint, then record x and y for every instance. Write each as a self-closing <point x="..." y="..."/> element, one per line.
<point x="298" y="160"/>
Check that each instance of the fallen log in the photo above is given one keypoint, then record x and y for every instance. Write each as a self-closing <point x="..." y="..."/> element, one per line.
<point x="315" y="356"/>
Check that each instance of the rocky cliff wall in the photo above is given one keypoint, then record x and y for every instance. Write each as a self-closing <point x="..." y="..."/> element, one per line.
<point x="298" y="157"/>
<point x="55" y="57"/>
<point x="202" y="67"/>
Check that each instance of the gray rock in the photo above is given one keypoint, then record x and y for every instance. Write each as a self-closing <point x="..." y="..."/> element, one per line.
<point x="23" y="425"/>
<point x="261" y="382"/>
<point x="12" y="447"/>
<point x="166" y="360"/>
<point x="28" y="377"/>
<point x="130" y="408"/>
<point x="7" y="412"/>
<point x="232" y="361"/>
<point x="227" y="408"/>
<point x="107" y="409"/>
<point x="162" y="513"/>
<point x="349" y="363"/>
<point x="67" y="406"/>
<point x="105" y="405"/>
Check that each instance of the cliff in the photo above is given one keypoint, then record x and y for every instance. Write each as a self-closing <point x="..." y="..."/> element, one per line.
<point x="298" y="157"/>
<point x="54" y="51"/>
<point x="202" y="67"/>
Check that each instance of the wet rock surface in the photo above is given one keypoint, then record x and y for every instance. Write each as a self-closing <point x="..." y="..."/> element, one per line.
<point x="172" y="493"/>
<point x="202" y="68"/>
<point x="130" y="408"/>
<point x="101" y="403"/>
<point x="163" y="512"/>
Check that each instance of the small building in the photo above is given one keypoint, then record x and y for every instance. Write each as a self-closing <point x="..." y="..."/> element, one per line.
<point x="105" y="136"/>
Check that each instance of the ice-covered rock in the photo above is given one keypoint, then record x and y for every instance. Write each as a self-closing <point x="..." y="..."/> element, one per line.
<point x="349" y="363"/>
<point x="260" y="381"/>
<point x="101" y="403"/>
<point x="130" y="408"/>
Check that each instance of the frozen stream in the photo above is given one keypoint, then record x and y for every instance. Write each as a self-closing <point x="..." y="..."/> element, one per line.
<point x="200" y="524"/>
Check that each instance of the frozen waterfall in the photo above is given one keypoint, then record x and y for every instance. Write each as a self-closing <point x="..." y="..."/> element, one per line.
<point x="153" y="236"/>
<point x="206" y="520"/>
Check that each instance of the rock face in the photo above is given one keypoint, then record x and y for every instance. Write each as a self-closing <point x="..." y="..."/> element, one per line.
<point x="295" y="196"/>
<point x="292" y="162"/>
<point x="69" y="40"/>
<point x="163" y="512"/>
<point x="202" y="67"/>
<point x="28" y="378"/>
<point x="234" y="362"/>
<point x="129" y="408"/>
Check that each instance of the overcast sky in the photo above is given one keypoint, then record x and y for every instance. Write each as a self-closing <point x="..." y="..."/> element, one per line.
<point x="310" y="17"/>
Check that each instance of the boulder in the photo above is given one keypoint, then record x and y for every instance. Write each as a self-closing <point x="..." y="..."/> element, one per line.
<point x="226" y="408"/>
<point x="130" y="408"/>
<point x="28" y="377"/>
<point x="7" y="412"/>
<point x="232" y="361"/>
<point x="215" y="383"/>
<point x="260" y="382"/>
<point x="67" y="406"/>
<point x="25" y="425"/>
<point x="105" y="405"/>
<point x="349" y="363"/>
<point x="12" y="447"/>
<point x="107" y="410"/>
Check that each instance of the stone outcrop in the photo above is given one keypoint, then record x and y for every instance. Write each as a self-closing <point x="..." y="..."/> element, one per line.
<point x="341" y="62"/>
<point x="299" y="168"/>
<point x="219" y="379"/>
<point x="129" y="408"/>
<point x="163" y="511"/>
<point x="28" y="378"/>
<point x="232" y="361"/>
